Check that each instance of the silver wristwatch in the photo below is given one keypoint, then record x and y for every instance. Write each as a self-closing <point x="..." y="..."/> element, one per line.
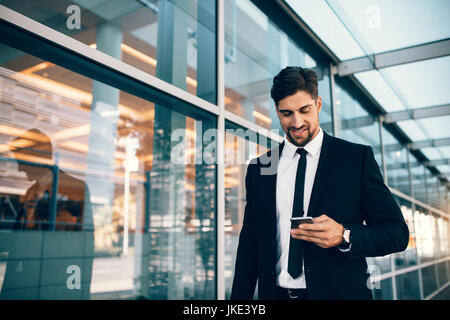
<point x="346" y="237"/>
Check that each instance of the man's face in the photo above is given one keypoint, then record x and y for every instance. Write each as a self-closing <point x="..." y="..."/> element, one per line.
<point x="299" y="117"/>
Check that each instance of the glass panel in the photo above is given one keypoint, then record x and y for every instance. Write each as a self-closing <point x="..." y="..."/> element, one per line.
<point x="444" y="239"/>
<point x="426" y="234"/>
<point x="254" y="57"/>
<point x="172" y="40"/>
<point x="433" y="189"/>
<point x="430" y="76"/>
<point x="418" y="180"/>
<point x="134" y="216"/>
<point x="383" y="264"/>
<point x="396" y="163"/>
<point x="431" y="153"/>
<point x="408" y="257"/>
<point x="412" y="130"/>
<point x="445" y="168"/>
<point x="354" y="123"/>
<point x="329" y="27"/>
<point x="442" y="194"/>
<point x="385" y="290"/>
<point x="240" y="148"/>
<point x="408" y="286"/>
<point x="444" y="151"/>
<point x="442" y="273"/>
<point x="436" y="127"/>
<point x="374" y="21"/>
<point x="374" y="82"/>
<point x="429" y="279"/>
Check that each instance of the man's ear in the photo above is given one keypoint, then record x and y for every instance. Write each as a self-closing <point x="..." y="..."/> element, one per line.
<point x="319" y="103"/>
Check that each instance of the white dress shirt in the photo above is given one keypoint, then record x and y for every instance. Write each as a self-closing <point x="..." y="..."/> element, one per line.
<point x="286" y="174"/>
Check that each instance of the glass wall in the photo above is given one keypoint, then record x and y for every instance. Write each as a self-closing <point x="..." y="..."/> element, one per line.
<point x="172" y="40"/>
<point x="353" y="122"/>
<point x="254" y="57"/>
<point x="409" y="257"/>
<point x="104" y="194"/>
<point x="419" y="181"/>
<point x="396" y="163"/>
<point x="426" y="234"/>
<point x="408" y="286"/>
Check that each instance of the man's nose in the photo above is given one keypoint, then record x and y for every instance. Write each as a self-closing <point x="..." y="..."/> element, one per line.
<point x="298" y="121"/>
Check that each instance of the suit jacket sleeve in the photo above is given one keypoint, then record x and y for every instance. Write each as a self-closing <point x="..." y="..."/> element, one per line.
<point x="245" y="273"/>
<point x="385" y="231"/>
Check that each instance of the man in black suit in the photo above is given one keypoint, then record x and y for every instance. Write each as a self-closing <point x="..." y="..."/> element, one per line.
<point x="336" y="182"/>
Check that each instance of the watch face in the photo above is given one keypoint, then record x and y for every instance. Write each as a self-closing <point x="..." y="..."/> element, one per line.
<point x="347" y="236"/>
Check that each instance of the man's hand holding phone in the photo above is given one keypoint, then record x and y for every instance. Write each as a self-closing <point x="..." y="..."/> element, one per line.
<point x="323" y="231"/>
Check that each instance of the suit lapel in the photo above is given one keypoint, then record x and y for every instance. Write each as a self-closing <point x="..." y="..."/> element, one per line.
<point x="321" y="174"/>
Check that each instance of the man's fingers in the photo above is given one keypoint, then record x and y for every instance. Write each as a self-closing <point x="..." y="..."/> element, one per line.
<point x="314" y="240"/>
<point x="321" y="218"/>
<point x="313" y="226"/>
<point x="302" y="233"/>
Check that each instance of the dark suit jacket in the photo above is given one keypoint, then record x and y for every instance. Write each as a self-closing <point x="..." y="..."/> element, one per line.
<point x="349" y="188"/>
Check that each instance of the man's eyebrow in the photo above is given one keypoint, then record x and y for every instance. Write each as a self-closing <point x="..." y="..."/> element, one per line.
<point x="285" y="110"/>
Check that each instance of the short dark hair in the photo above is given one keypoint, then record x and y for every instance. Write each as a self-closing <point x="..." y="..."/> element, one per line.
<point x="293" y="79"/>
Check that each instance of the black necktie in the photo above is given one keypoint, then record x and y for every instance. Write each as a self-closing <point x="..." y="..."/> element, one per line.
<point x="295" y="245"/>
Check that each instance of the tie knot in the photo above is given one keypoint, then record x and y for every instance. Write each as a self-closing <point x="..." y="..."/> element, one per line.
<point x="301" y="151"/>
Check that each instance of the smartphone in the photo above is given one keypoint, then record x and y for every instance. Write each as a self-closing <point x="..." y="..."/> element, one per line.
<point x="295" y="222"/>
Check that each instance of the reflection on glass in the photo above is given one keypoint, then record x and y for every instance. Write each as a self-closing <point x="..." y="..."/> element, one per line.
<point x="408" y="286"/>
<point x="333" y="32"/>
<point x="254" y="57"/>
<point x="418" y="180"/>
<point x="384" y="292"/>
<point x="432" y="188"/>
<point x="443" y="230"/>
<point x="129" y="219"/>
<point x="442" y="203"/>
<point x="354" y="123"/>
<point x="428" y="75"/>
<point x="429" y="280"/>
<point x="396" y="163"/>
<point x="408" y="257"/>
<point x="173" y="40"/>
<point x="426" y="235"/>
<point x="238" y="152"/>
<point x="442" y="273"/>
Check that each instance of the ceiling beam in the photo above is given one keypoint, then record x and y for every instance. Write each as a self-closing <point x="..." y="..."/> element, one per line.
<point x="428" y="112"/>
<point x="415" y="164"/>
<point x="396" y="57"/>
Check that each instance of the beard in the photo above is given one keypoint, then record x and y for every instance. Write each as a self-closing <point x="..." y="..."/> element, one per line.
<point x="301" y="142"/>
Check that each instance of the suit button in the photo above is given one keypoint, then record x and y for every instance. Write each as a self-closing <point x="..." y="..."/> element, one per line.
<point x="308" y="270"/>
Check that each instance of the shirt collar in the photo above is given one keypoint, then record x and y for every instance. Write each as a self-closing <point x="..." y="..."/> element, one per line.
<point x="313" y="147"/>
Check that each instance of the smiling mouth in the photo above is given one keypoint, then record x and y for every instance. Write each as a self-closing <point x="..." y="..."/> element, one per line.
<point x="297" y="133"/>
